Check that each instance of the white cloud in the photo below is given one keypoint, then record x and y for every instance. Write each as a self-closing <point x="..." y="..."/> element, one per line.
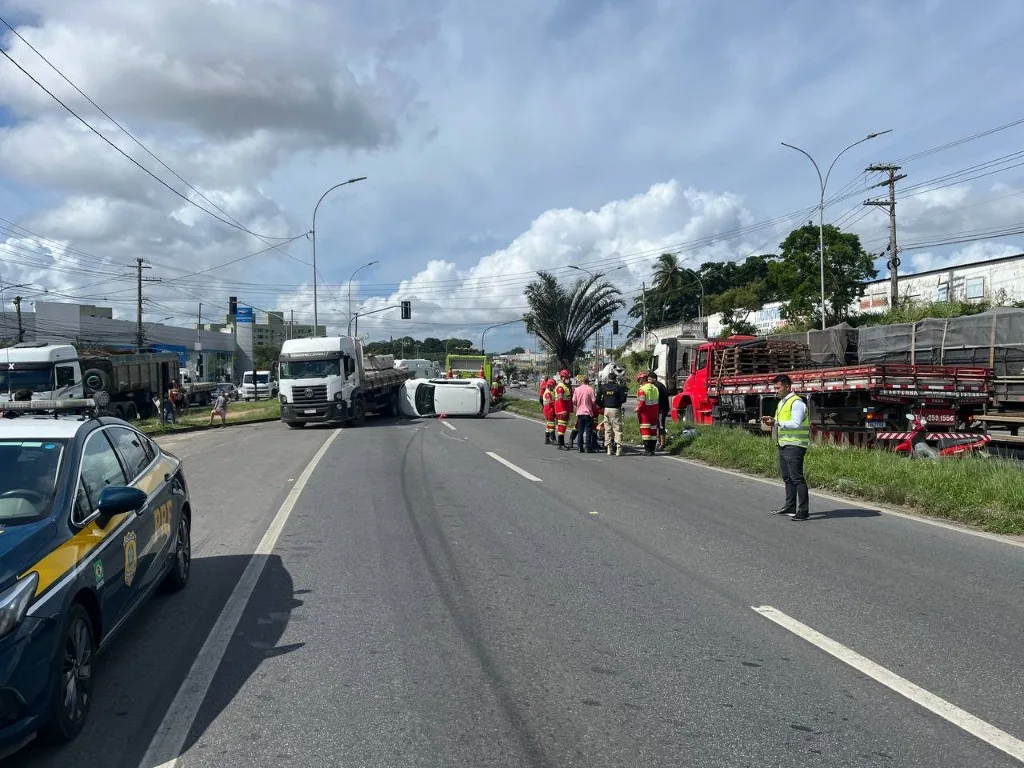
<point x="479" y="125"/>
<point x="926" y="260"/>
<point x="626" y="233"/>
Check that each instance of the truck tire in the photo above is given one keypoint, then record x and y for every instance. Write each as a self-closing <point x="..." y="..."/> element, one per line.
<point x="96" y="379"/>
<point x="688" y="415"/>
<point x="391" y="409"/>
<point x="358" y="412"/>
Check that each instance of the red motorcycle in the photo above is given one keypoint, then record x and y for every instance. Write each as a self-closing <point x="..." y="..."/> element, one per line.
<point x="921" y="444"/>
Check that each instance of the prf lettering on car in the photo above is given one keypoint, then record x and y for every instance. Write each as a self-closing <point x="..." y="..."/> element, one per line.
<point x="162" y="519"/>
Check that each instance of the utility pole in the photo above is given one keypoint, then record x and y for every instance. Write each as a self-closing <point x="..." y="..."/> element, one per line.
<point x="894" y="258"/>
<point x="643" y="313"/>
<point x="139" y="266"/>
<point x="21" y="328"/>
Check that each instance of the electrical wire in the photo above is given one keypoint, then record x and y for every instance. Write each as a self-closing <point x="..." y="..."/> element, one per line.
<point x="131" y="159"/>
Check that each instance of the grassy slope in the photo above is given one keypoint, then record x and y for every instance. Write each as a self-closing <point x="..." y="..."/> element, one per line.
<point x="985" y="492"/>
<point x="238" y="413"/>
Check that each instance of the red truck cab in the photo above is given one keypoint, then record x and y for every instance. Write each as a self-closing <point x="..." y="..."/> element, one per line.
<point x="692" y="404"/>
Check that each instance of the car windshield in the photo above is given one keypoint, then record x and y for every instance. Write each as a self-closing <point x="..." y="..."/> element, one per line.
<point x="28" y="478"/>
<point x="310" y="369"/>
<point x="36" y="379"/>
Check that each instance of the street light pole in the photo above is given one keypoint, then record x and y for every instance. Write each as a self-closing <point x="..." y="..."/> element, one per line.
<point x="313" y="234"/>
<point x="823" y="181"/>
<point x="483" y="350"/>
<point x="370" y="264"/>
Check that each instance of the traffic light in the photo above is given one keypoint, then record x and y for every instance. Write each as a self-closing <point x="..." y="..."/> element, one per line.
<point x="406" y="310"/>
<point x="615" y="327"/>
<point x="232" y="305"/>
<point x="199" y="367"/>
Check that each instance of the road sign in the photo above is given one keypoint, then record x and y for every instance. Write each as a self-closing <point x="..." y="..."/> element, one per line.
<point x="244" y="315"/>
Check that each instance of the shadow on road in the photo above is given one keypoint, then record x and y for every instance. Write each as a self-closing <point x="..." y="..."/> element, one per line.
<point x="140" y="673"/>
<point x="839" y="514"/>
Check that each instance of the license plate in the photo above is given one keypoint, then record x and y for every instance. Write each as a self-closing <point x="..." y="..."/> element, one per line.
<point x="310" y="411"/>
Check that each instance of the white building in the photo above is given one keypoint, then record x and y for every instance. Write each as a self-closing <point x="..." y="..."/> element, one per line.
<point x="994" y="280"/>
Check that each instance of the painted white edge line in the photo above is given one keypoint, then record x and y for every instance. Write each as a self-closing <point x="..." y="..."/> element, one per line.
<point x="513" y="467"/>
<point x="449" y="426"/>
<point x="165" y="747"/>
<point x="947" y="711"/>
<point x="1013" y="542"/>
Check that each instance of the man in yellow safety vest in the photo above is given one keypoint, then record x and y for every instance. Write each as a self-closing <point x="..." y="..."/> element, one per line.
<point x="792" y="423"/>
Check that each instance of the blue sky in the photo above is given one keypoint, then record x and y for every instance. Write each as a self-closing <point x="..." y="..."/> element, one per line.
<point x="498" y="139"/>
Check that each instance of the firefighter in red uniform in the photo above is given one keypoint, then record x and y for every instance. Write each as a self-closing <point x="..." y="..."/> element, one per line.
<point x="497" y="390"/>
<point x="547" y="397"/>
<point x="647" y="413"/>
<point x="563" y="407"/>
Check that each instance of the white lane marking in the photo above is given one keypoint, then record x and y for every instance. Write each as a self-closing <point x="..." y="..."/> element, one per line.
<point x="165" y="748"/>
<point x="449" y="426"/>
<point x="950" y="712"/>
<point x="513" y="467"/>
<point x="861" y="504"/>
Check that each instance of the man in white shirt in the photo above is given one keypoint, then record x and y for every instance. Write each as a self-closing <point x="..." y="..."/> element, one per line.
<point x="793" y="436"/>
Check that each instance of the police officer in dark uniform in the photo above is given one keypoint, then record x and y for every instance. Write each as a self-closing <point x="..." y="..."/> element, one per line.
<point x="612" y="398"/>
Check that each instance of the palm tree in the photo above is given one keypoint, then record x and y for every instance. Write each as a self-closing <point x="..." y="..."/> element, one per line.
<point x="565" y="318"/>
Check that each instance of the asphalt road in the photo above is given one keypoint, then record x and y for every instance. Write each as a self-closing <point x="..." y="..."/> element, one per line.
<point x="428" y="605"/>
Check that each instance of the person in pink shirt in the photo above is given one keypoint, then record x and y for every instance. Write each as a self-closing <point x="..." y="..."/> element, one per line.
<point x="585" y="404"/>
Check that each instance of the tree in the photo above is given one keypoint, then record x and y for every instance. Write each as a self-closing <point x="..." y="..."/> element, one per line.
<point x="673" y="297"/>
<point x="565" y="319"/>
<point x="797" y="273"/>
<point x="265" y="356"/>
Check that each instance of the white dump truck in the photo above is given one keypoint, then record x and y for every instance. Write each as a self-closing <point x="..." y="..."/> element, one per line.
<point x="332" y="379"/>
<point x="56" y="371"/>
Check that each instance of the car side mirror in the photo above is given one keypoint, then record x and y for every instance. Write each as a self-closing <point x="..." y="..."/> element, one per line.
<point x="118" y="500"/>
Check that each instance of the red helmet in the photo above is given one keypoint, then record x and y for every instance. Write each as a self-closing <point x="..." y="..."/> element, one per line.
<point x="641" y="376"/>
<point x="564" y="373"/>
<point x="549" y="382"/>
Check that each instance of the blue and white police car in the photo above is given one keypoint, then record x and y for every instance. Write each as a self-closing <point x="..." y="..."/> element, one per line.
<point x="94" y="516"/>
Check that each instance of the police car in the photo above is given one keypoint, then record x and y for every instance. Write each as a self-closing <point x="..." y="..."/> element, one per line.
<point x="94" y="516"/>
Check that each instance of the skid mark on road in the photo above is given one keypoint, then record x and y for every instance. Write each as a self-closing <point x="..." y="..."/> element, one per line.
<point x="944" y="709"/>
<point x="439" y="559"/>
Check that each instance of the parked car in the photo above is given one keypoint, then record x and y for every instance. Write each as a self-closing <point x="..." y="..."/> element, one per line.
<point x="95" y="517"/>
<point x="448" y="397"/>
<point x="230" y="390"/>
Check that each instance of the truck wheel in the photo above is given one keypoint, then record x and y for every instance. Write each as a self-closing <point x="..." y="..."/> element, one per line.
<point x="296" y="424"/>
<point x="358" y="412"/>
<point x="688" y="415"/>
<point x="96" y="379"/>
<point x="391" y="409"/>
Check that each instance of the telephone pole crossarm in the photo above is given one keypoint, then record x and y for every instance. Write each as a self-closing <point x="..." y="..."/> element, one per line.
<point x="894" y="258"/>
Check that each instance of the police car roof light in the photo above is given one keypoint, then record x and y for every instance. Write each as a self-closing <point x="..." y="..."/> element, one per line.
<point x="50" y="406"/>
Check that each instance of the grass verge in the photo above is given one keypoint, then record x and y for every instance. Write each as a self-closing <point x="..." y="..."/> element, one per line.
<point x="983" y="492"/>
<point x="199" y="416"/>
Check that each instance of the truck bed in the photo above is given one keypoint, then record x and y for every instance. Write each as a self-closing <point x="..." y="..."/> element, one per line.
<point x="883" y="380"/>
<point x="374" y="380"/>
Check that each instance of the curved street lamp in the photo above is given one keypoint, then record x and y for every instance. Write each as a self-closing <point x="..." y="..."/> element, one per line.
<point x="823" y="181"/>
<point x="370" y="264"/>
<point x="313" y="233"/>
